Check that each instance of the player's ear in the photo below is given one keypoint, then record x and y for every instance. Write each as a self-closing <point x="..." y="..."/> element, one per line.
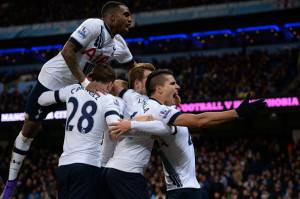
<point x="159" y="89"/>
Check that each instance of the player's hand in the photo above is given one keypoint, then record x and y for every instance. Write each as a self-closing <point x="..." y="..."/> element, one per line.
<point x="249" y="109"/>
<point x="99" y="59"/>
<point x="144" y="118"/>
<point x="116" y="129"/>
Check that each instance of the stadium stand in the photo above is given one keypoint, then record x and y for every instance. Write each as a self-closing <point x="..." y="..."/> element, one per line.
<point x="209" y="64"/>
<point x="62" y="10"/>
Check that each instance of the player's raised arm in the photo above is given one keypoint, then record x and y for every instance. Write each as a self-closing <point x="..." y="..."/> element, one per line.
<point x="207" y="119"/>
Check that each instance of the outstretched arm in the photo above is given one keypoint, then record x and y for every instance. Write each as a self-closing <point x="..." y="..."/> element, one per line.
<point x="207" y="119"/>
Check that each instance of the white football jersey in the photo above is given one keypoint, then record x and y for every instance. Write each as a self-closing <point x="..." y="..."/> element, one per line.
<point x="132" y="153"/>
<point x="178" y="153"/>
<point x="179" y="159"/>
<point x="95" y="39"/>
<point x="87" y="115"/>
<point x="108" y="145"/>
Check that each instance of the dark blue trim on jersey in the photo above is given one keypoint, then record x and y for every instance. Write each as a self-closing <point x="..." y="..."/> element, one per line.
<point x="173" y="118"/>
<point x="169" y="168"/>
<point x="108" y="113"/>
<point x="122" y="92"/>
<point x="175" y="132"/>
<point x="19" y="151"/>
<point x="108" y="30"/>
<point x="76" y="43"/>
<point x="56" y="96"/>
<point x="155" y="100"/>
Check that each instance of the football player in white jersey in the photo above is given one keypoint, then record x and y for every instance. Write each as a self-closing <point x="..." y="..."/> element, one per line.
<point x="88" y="113"/>
<point x="124" y="171"/>
<point x="94" y="41"/>
<point x="177" y="150"/>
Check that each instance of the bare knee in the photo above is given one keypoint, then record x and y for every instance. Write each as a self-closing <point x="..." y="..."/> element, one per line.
<point x="30" y="129"/>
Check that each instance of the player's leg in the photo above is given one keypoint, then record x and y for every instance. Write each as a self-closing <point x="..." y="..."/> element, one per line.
<point x="62" y="180"/>
<point x="81" y="182"/>
<point x="187" y="193"/>
<point x="124" y="185"/>
<point x="31" y="126"/>
<point x="105" y="193"/>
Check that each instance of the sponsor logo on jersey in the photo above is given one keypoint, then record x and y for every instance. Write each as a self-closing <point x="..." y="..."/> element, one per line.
<point x="165" y="113"/>
<point x="83" y="32"/>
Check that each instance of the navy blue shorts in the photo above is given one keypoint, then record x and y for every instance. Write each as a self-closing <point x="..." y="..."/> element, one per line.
<point x="34" y="111"/>
<point x="79" y="181"/>
<point x="187" y="193"/>
<point x="125" y="185"/>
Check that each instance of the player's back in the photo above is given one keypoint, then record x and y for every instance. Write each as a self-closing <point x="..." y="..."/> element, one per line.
<point x="85" y="126"/>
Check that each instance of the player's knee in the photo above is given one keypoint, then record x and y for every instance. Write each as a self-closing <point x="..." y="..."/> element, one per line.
<point x="30" y="129"/>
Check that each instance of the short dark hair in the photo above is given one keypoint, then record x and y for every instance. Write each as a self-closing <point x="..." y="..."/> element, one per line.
<point x="103" y="73"/>
<point x="156" y="78"/>
<point x="110" y="6"/>
<point x="137" y="72"/>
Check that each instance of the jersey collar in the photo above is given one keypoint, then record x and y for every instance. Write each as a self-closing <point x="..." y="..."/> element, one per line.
<point x="108" y="30"/>
<point x="155" y="100"/>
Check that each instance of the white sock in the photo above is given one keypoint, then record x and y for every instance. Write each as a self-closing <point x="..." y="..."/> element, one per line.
<point x="22" y="145"/>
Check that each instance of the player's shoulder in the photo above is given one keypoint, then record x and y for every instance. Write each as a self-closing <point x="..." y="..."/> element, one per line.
<point x="119" y="40"/>
<point x="94" y="21"/>
<point x="108" y="98"/>
<point x="72" y="88"/>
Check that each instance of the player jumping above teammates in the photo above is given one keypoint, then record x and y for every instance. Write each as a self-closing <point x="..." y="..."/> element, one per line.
<point x="177" y="150"/>
<point x="88" y="113"/>
<point x="94" y="41"/>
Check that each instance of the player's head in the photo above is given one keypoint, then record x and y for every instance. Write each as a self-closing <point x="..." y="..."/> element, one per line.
<point x="104" y="75"/>
<point x="117" y="16"/>
<point x="138" y="75"/>
<point x="162" y="86"/>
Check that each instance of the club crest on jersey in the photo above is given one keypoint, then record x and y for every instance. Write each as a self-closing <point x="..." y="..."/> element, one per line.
<point x="116" y="102"/>
<point x="165" y="113"/>
<point x="83" y="32"/>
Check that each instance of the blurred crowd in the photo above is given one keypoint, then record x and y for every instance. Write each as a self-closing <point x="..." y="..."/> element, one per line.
<point x="62" y="10"/>
<point x="176" y="43"/>
<point x="213" y="77"/>
<point x="264" y="168"/>
<point x="228" y="168"/>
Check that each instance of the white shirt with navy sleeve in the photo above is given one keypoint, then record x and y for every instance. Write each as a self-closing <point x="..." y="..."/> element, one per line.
<point x="132" y="153"/>
<point x="177" y="148"/>
<point x="87" y="115"/>
<point x="94" y="39"/>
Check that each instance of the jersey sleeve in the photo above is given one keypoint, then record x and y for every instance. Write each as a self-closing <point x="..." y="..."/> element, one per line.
<point x="122" y="53"/>
<point x="112" y="109"/>
<point x="154" y="127"/>
<point x="86" y="32"/>
<point x="52" y="97"/>
<point x="163" y="113"/>
<point x="130" y="96"/>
